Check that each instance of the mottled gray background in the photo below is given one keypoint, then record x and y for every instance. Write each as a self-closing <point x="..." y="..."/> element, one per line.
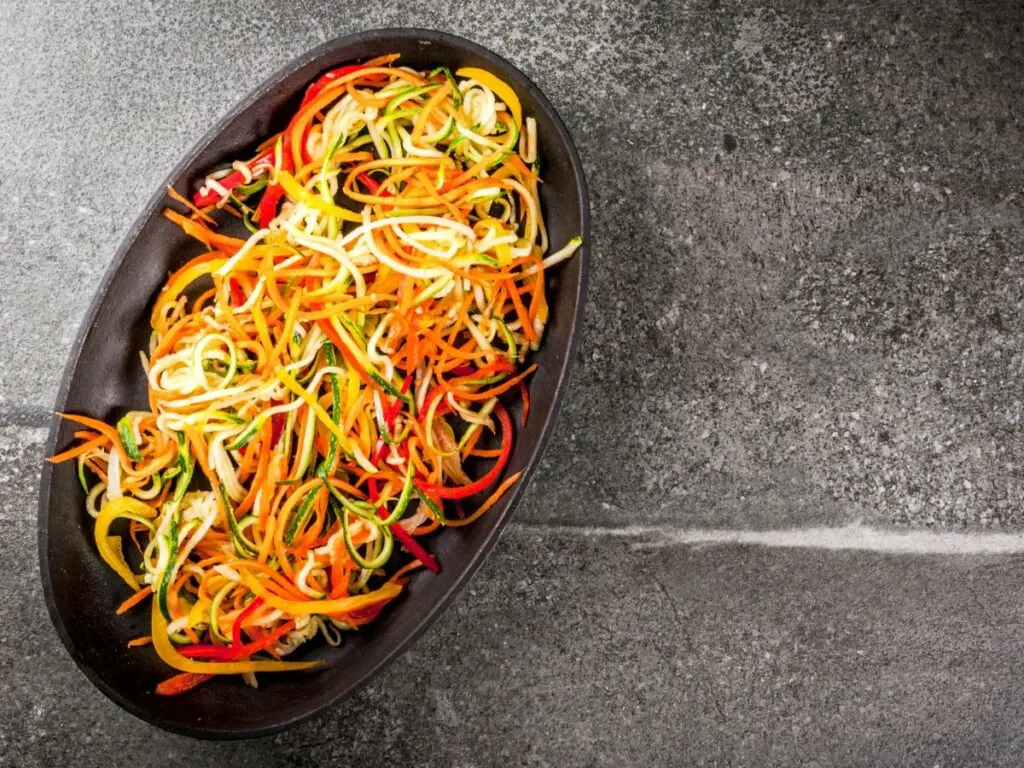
<point x="806" y="321"/>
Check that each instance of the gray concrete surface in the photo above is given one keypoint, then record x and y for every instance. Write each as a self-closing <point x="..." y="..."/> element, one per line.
<point x="572" y="650"/>
<point x="807" y="300"/>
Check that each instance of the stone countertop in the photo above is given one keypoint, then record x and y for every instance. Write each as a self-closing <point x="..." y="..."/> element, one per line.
<point x="779" y="521"/>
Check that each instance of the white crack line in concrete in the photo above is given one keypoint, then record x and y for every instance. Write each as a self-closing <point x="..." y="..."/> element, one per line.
<point x="849" y="537"/>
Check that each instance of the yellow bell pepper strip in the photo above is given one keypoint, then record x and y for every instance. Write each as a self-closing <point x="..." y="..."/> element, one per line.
<point x="500" y="88"/>
<point x="110" y="546"/>
<point x="307" y="607"/>
<point x="293" y="189"/>
<point x="169" y="655"/>
<point x="286" y="378"/>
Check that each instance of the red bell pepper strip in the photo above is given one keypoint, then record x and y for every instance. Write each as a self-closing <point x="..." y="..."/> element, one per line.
<point x="233" y="652"/>
<point x="462" y="491"/>
<point x="237" y="294"/>
<point x="369" y="612"/>
<point x="371" y="183"/>
<point x="229" y="182"/>
<point x="269" y="203"/>
<point x="407" y="541"/>
<point x="267" y="209"/>
<point x="236" y="628"/>
<point x="441" y="408"/>
<point x="314" y="90"/>
<point x="320" y="83"/>
<point x="277" y="422"/>
<point x="403" y="536"/>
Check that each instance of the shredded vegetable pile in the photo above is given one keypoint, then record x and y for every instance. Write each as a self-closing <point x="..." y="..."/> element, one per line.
<point x="318" y="391"/>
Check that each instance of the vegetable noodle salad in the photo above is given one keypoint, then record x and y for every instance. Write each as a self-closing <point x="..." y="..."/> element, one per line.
<point x="328" y="378"/>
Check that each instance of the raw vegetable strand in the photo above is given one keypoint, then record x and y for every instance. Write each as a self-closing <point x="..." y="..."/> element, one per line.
<point x="336" y="381"/>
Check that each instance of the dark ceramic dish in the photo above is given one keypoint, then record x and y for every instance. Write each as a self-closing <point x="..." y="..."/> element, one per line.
<point x="104" y="379"/>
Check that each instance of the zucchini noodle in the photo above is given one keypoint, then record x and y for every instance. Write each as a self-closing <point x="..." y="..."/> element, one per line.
<point x="319" y="390"/>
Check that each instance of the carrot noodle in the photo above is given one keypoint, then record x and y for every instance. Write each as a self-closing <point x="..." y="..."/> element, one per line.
<point x="134" y="600"/>
<point x="310" y="413"/>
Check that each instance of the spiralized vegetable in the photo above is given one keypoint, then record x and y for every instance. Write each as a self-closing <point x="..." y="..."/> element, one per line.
<point x="327" y="379"/>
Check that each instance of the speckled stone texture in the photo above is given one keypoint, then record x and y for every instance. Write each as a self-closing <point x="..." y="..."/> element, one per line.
<point x="725" y="657"/>
<point x="806" y="288"/>
<point x="806" y="308"/>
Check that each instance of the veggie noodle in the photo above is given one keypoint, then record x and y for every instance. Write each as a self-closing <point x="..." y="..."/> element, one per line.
<point x="327" y="379"/>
